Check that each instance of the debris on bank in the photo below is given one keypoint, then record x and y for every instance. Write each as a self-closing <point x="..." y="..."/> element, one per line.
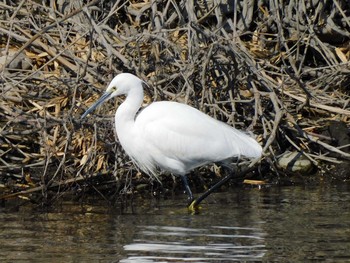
<point x="281" y="72"/>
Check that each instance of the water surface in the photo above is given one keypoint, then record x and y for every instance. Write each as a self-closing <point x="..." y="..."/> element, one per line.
<point x="288" y="224"/>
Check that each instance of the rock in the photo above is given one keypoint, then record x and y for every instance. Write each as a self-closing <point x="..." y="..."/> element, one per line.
<point x="20" y="62"/>
<point x="340" y="134"/>
<point x="295" y="162"/>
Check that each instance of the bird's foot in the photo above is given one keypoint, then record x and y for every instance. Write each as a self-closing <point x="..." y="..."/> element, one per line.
<point x="193" y="207"/>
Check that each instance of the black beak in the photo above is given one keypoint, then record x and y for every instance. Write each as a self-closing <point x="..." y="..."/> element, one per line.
<point x="101" y="100"/>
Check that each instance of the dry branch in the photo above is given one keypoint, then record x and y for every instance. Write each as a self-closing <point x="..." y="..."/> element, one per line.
<point x="262" y="65"/>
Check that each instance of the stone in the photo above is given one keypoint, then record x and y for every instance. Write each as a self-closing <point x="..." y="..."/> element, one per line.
<point x="295" y="162"/>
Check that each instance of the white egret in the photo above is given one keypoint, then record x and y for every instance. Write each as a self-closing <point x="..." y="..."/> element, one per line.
<point x="169" y="135"/>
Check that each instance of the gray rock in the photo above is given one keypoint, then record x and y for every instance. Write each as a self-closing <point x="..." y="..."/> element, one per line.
<point x="295" y="162"/>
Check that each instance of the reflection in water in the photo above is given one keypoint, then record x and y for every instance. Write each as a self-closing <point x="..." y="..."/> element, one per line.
<point x="290" y="224"/>
<point x="220" y="243"/>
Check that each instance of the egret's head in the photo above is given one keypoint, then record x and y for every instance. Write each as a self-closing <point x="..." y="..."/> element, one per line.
<point x="122" y="84"/>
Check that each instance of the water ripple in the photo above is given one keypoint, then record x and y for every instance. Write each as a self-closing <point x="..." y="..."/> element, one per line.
<point x="219" y="243"/>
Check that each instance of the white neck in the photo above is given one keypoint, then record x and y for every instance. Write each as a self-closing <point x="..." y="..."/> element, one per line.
<point x="126" y="112"/>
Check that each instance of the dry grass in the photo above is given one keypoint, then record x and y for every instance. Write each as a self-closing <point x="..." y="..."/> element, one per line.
<point x="281" y="71"/>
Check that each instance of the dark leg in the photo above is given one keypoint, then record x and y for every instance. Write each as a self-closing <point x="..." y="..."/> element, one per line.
<point x="241" y="176"/>
<point x="187" y="188"/>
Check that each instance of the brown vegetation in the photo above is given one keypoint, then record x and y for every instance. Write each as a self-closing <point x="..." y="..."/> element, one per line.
<point x="279" y="70"/>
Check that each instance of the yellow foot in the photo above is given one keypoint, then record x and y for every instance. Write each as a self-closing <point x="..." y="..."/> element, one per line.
<point x="193" y="208"/>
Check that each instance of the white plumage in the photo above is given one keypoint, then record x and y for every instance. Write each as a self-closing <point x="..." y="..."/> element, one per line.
<point x="169" y="135"/>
